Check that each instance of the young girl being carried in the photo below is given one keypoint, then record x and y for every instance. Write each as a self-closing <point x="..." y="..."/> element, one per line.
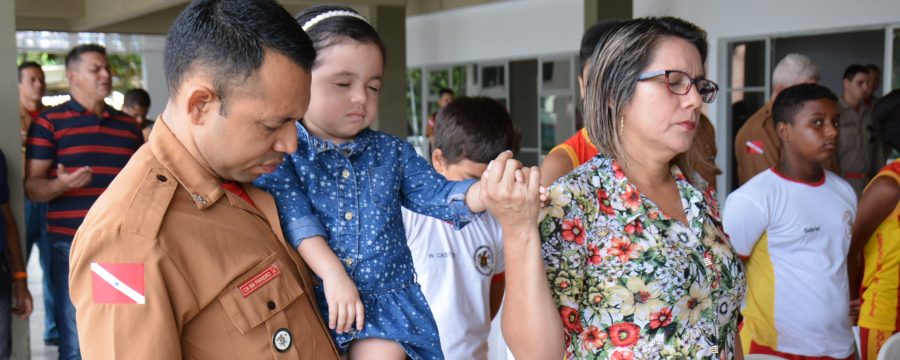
<point x="340" y="195"/>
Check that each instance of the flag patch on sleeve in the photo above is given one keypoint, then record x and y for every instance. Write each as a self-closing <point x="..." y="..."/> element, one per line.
<point x="754" y="147"/>
<point x="117" y="283"/>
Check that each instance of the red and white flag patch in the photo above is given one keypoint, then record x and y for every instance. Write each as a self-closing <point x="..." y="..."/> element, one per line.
<point x="118" y="283"/>
<point x="754" y="147"/>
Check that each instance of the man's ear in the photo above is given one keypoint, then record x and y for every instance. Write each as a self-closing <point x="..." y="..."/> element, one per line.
<point x="784" y="132"/>
<point x="201" y="101"/>
<point x="438" y="161"/>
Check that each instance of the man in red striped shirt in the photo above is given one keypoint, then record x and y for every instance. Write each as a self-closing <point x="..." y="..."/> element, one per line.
<point x="73" y="152"/>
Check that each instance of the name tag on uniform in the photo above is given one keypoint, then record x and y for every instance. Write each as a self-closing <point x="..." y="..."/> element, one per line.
<point x="117" y="283"/>
<point x="256" y="282"/>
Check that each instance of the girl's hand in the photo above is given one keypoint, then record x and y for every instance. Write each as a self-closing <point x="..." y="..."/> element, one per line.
<point x="344" y="306"/>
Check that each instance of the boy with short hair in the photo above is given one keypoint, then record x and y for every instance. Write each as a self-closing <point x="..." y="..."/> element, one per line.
<point x="461" y="271"/>
<point x="136" y="105"/>
<point x="792" y="225"/>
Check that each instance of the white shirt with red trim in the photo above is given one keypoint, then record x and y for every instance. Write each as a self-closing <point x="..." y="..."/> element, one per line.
<point x="796" y="236"/>
<point x="455" y="269"/>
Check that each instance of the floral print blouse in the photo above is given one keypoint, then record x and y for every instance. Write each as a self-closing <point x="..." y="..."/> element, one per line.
<point x="632" y="283"/>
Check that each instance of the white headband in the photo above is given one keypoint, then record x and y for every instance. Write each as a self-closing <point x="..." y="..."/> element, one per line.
<point x="329" y="14"/>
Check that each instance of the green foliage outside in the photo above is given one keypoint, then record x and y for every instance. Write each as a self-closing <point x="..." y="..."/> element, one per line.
<point x="126" y="68"/>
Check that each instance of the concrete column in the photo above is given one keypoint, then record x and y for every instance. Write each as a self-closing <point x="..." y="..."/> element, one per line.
<point x="155" y="81"/>
<point x="596" y="10"/>
<point x="390" y="21"/>
<point x="12" y="149"/>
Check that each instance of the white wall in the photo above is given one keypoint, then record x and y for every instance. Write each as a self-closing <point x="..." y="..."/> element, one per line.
<point x="501" y="30"/>
<point x="732" y="20"/>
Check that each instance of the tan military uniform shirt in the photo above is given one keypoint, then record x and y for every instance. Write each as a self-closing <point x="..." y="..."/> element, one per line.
<point x="756" y="145"/>
<point x="168" y="265"/>
<point x="858" y="153"/>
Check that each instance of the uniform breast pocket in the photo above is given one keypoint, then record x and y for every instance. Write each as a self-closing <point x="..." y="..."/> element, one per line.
<point x="260" y="293"/>
<point x="384" y="186"/>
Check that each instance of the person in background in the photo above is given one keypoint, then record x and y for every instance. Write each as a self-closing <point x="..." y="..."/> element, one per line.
<point x="137" y="104"/>
<point x="461" y="271"/>
<point x="756" y="145"/>
<point x="73" y="152"/>
<point x="13" y="279"/>
<point x="874" y="84"/>
<point x="445" y="96"/>
<point x="31" y="91"/>
<point x="791" y="224"/>
<point x="876" y="236"/>
<point x="859" y="153"/>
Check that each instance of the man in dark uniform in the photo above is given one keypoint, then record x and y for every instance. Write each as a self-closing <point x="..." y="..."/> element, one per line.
<point x="180" y="257"/>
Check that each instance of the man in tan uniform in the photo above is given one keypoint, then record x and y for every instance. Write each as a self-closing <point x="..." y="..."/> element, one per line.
<point x="180" y="257"/>
<point x="756" y="145"/>
<point x="859" y="152"/>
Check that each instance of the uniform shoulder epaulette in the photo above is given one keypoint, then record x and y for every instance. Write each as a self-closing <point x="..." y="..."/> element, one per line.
<point x="151" y="200"/>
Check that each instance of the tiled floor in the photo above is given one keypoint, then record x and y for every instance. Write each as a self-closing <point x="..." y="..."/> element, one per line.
<point x="36" y="322"/>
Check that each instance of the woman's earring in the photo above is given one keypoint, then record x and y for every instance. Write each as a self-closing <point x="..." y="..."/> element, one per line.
<point x="621" y="123"/>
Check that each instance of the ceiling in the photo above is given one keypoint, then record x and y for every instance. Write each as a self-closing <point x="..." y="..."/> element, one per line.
<point x="155" y="16"/>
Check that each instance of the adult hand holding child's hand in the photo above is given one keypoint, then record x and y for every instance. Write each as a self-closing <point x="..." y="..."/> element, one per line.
<point x="511" y="193"/>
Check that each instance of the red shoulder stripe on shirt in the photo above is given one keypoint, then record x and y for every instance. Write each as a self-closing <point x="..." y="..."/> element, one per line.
<point x="44" y="123"/>
<point x="95" y="129"/>
<point x="39" y="142"/>
<point x="95" y="149"/>
<point x="70" y="214"/>
<point x="60" y="230"/>
<point x="105" y="170"/>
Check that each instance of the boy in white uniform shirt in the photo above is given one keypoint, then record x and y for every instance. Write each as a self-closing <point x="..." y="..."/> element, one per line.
<point x="792" y="225"/>
<point x="461" y="271"/>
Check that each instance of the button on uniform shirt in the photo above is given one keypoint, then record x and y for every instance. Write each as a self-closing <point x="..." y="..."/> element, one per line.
<point x="71" y="135"/>
<point x="170" y="265"/>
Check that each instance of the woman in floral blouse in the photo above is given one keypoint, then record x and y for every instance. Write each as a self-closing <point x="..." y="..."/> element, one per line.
<point x="637" y="263"/>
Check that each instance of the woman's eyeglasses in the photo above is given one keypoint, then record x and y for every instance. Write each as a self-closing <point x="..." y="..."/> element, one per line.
<point x="679" y="83"/>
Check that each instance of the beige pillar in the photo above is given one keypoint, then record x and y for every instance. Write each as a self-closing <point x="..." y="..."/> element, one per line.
<point x="12" y="149"/>
<point x="596" y="10"/>
<point x="390" y="21"/>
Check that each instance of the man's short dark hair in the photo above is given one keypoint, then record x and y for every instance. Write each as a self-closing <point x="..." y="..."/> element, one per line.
<point x="886" y="119"/>
<point x="854" y="69"/>
<point x="790" y="101"/>
<point x="445" y="91"/>
<point x="591" y="37"/>
<point x="474" y="128"/>
<point x="28" y="65"/>
<point x="229" y="38"/>
<point x="74" y="55"/>
<point x="873" y="67"/>
<point x="137" y="97"/>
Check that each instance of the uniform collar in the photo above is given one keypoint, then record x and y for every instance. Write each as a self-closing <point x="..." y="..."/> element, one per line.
<point x="315" y="145"/>
<point x="199" y="182"/>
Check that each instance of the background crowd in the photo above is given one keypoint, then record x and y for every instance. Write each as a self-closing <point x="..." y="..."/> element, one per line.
<point x="261" y="197"/>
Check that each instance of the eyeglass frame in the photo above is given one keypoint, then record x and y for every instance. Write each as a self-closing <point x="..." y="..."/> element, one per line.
<point x="693" y="83"/>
